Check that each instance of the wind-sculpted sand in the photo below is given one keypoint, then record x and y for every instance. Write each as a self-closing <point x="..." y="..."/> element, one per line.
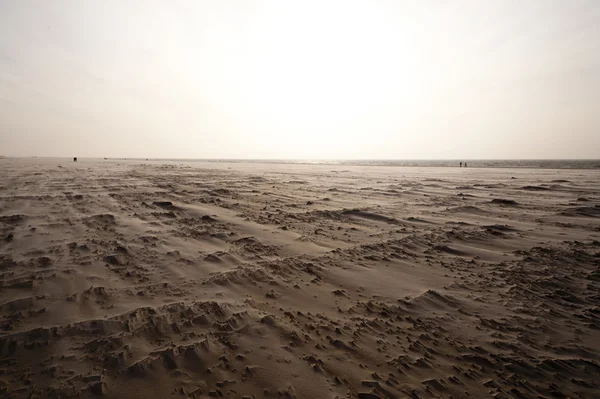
<point x="131" y="280"/>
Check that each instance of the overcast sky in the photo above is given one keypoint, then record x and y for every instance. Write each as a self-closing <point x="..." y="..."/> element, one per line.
<point x="300" y="79"/>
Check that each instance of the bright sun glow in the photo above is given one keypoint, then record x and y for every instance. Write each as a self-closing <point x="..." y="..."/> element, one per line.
<point x="321" y="74"/>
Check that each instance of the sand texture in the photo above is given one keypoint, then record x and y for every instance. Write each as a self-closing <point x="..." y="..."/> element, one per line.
<point x="153" y="280"/>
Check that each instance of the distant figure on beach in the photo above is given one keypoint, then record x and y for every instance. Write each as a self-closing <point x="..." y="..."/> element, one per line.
<point x="75" y="159"/>
<point x="460" y="165"/>
<point x="465" y="164"/>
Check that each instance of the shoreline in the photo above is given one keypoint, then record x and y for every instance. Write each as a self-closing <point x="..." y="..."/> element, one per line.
<point x="553" y="164"/>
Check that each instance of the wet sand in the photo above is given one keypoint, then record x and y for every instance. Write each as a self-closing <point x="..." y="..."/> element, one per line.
<point x="154" y="280"/>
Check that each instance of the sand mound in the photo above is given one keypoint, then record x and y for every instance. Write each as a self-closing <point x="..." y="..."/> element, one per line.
<point x="583" y="211"/>
<point x="466" y="209"/>
<point x="535" y="188"/>
<point x="506" y="202"/>
<point x="369" y="216"/>
<point x="432" y="299"/>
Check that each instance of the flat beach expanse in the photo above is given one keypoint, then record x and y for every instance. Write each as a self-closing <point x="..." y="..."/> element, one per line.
<point x="134" y="279"/>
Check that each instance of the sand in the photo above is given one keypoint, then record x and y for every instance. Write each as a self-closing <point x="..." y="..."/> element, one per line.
<point x="130" y="279"/>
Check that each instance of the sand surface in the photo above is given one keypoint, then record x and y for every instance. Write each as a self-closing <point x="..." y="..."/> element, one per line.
<point x="153" y="280"/>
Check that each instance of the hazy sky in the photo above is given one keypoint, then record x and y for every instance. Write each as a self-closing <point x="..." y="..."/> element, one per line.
<point x="300" y="79"/>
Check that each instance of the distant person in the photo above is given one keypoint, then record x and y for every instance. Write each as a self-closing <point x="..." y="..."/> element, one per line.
<point x="465" y="164"/>
<point x="75" y="159"/>
<point x="460" y="165"/>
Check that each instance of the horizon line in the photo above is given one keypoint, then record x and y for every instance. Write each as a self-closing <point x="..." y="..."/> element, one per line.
<point x="301" y="159"/>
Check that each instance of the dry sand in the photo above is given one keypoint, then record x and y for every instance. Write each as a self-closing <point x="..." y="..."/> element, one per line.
<point x="155" y="280"/>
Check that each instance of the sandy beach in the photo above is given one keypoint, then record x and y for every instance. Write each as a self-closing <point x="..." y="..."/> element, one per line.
<point x="132" y="279"/>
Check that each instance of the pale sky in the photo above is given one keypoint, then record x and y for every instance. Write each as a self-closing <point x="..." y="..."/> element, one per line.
<point x="421" y="79"/>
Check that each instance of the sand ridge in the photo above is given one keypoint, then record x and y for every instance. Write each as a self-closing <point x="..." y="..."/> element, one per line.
<point x="153" y="280"/>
